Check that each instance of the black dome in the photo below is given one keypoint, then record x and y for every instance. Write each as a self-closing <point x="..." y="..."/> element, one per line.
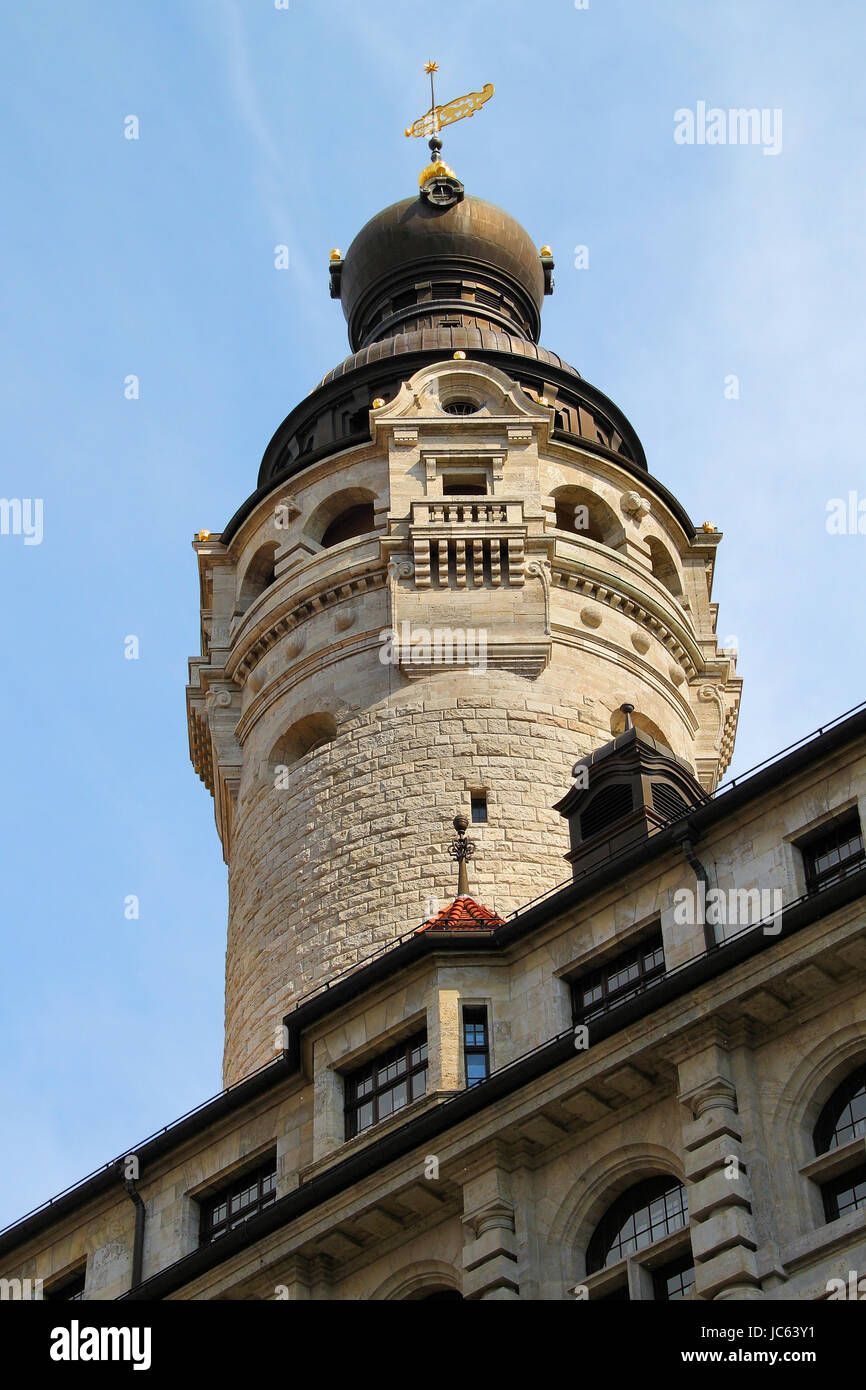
<point x="418" y="266"/>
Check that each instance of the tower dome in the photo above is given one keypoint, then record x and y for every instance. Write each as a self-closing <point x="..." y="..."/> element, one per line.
<point x="468" y="258"/>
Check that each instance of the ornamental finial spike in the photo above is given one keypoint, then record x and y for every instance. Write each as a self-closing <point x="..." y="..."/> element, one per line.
<point x="461" y="849"/>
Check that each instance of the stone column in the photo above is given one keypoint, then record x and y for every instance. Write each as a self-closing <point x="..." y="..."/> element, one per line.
<point x="490" y="1257"/>
<point x="722" y="1226"/>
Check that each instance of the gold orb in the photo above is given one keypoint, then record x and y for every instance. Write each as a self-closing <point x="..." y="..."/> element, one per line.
<point x="542" y="400"/>
<point x="460" y="355"/>
<point x="336" y="254"/>
<point x="545" y="251"/>
<point x="378" y="403"/>
<point x="204" y="535"/>
<point x="708" y="526"/>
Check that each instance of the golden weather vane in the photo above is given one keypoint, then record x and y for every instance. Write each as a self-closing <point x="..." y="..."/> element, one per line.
<point x="438" y="116"/>
<point x="439" y="184"/>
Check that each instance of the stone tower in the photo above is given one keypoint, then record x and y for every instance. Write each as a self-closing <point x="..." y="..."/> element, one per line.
<point x="454" y="570"/>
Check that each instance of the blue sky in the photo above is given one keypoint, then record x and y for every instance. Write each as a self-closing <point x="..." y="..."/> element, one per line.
<point x="155" y="257"/>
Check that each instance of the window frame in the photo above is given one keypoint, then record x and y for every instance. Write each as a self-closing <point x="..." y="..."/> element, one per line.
<point x="840" y="1160"/>
<point x="833" y="1187"/>
<point x="475" y="1049"/>
<point x="637" y="1198"/>
<point x="353" y="1102"/>
<point x="829" y="835"/>
<point x="478" y="801"/>
<point x="59" y="1291"/>
<point x="264" y="1173"/>
<point x="826" y="1132"/>
<point x="632" y="1279"/>
<point x="651" y="943"/>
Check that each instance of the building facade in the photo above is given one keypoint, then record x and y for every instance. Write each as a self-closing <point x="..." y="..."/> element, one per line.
<point x="458" y="588"/>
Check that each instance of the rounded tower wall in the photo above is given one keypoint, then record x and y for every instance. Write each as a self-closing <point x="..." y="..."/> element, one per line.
<point x="356" y="738"/>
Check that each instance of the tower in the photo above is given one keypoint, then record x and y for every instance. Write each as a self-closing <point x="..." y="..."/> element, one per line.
<point x="453" y="572"/>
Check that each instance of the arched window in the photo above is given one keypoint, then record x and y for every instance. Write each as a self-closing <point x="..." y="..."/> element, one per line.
<point x="304" y="736"/>
<point x="664" y="568"/>
<point x="355" y="521"/>
<point x="259" y="575"/>
<point x="342" y="516"/>
<point x="842" y="1120"/>
<point x="641" y="1216"/>
<point x="584" y="513"/>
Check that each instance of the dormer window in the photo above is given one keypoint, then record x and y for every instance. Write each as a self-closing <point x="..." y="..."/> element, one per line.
<point x="382" y="1087"/>
<point x="245" y="1196"/>
<point x="833" y="852"/>
<point x="624" y="976"/>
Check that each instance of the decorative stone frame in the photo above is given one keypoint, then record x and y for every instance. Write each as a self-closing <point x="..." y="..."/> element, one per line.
<point x="590" y="1197"/>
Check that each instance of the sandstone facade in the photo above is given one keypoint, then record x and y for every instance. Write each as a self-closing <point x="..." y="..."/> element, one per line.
<point x="351" y="697"/>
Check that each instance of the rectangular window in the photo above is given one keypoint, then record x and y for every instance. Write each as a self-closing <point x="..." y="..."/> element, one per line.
<point x="833" y="852"/>
<point x="478" y="807"/>
<point x="240" y="1199"/>
<point x="68" y="1290"/>
<point x="476" y="1045"/>
<point x="675" y="1280"/>
<point x="845" y="1194"/>
<point x="622" y="978"/>
<point x="380" y="1088"/>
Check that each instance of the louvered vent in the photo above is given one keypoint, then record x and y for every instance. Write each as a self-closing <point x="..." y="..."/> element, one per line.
<point x="668" y="802"/>
<point x="609" y="806"/>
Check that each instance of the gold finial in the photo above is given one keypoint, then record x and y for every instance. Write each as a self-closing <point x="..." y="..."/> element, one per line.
<point x="204" y="535"/>
<point x="378" y="402"/>
<point x="336" y="254"/>
<point x="460" y="355"/>
<point x="545" y="251"/>
<point x="438" y="169"/>
<point x="430" y="66"/>
<point x="708" y="526"/>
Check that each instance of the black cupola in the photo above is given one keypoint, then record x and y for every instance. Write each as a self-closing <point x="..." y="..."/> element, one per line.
<point x="623" y="792"/>
<point x="421" y="265"/>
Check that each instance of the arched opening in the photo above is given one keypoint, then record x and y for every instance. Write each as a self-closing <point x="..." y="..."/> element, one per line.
<point x="646" y="1213"/>
<point x="348" y="513"/>
<point x="843" y="1120"/>
<point x="258" y="577"/>
<point x="355" y="521"/>
<point x="304" y="736"/>
<point x="664" y="568"/>
<point x="583" y="513"/>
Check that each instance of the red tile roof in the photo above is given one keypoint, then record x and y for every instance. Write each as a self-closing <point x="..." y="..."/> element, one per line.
<point x="464" y="914"/>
